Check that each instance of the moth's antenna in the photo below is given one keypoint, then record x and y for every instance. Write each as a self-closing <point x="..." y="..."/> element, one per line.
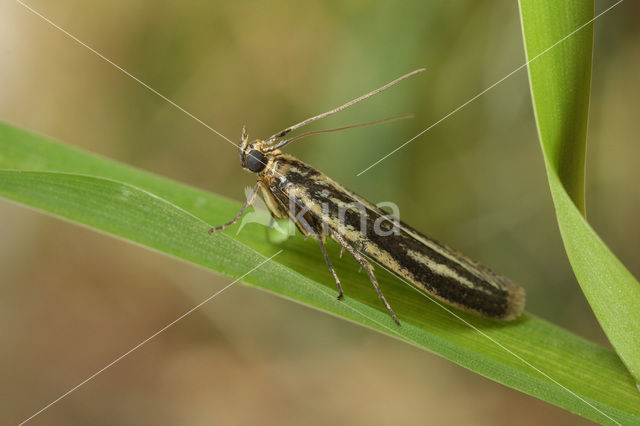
<point x="340" y="108"/>
<point x="337" y="129"/>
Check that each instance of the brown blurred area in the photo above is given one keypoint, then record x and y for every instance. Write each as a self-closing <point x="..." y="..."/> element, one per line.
<point x="73" y="300"/>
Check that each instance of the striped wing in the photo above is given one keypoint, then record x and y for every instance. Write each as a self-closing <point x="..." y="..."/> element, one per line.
<point x="433" y="267"/>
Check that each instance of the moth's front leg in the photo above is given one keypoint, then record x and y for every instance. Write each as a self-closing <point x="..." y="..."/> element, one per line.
<point x="250" y="199"/>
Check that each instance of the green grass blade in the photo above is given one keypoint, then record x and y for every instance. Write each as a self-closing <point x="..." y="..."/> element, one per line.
<point x="173" y="219"/>
<point x="560" y="83"/>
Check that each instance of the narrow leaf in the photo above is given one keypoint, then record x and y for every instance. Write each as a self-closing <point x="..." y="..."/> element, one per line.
<point x="560" y="79"/>
<point x="529" y="354"/>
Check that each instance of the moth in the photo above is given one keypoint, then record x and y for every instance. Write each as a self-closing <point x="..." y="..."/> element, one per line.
<point x="321" y="208"/>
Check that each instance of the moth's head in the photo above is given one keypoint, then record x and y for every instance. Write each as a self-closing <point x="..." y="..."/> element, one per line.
<point x="253" y="155"/>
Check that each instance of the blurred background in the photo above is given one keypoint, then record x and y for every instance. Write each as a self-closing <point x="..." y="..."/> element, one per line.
<point x="73" y="300"/>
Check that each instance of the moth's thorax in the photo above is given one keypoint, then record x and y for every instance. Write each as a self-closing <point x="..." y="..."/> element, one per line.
<point x="300" y="183"/>
<point x="282" y="167"/>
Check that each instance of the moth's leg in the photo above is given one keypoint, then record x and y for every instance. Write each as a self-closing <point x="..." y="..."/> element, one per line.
<point x="314" y="227"/>
<point x="250" y="199"/>
<point x="367" y="266"/>
<point x="320" y="239"/>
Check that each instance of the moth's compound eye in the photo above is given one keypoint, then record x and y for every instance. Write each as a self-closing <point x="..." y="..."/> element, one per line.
<point x="256" y="161"/>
